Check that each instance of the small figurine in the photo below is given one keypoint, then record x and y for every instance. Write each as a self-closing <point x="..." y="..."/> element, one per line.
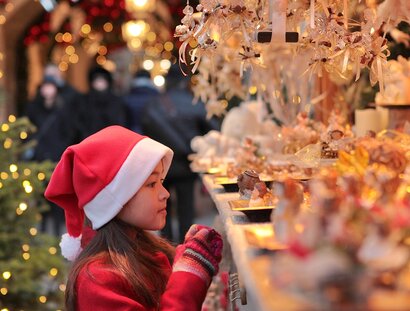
<point x="246" y="183"/>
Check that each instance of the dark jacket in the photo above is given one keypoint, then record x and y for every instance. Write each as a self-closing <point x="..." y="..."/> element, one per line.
<point x="135" y="103"/>
<point x="55" y="129"/>
<point x="174" y="120"/>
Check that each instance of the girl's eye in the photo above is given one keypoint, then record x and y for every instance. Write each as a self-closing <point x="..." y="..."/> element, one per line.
<point x="152" y="184"/>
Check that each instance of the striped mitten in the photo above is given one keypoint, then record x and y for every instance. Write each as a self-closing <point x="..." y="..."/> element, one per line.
<point x="200" y="254"/>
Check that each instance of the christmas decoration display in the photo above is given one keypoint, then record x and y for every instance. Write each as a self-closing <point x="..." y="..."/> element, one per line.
<point x="253" y="38"/>
<point x="31" y="270"/>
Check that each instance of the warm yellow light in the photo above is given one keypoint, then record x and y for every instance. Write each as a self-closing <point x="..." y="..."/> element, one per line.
<point x="28" y="189"/>
<point x="4" y="175"/>
<point x="102" y="50"/>
<point x="148" y="64"/>
<point x="53" y="271"/>
<point x="41" y="176"/>
<point x="67" y="37"/>
<point x="19" y="211"/>
<point x="23" y="135"/>
<point x="52" y="250"/>
<point x="135" y="43"/>
<point x="134" y="29"/>
<point x="26" y="183"/>
<point x="5" y="309"/>
<point x="159" y="80"/>
<point x="3" y="291"/>
<point x="13" y="168"/>
<point x="5" y="127"/>
<point x="63" y="66"/>
<point x="168" y="46"/>
<point x="62" y="287"/>
<point x="6" y="275"/>
<point x="15" y="175"/>
<point x="85" y="29"/>
<point x="165" y="64"/>
<point x="33" y="231"/>
<point x="252" y="90"/>
<point x="58" y="37"/>
<point x="9" y="7"/>
<point x="70" y="50"/>
<point x="7" y="143"/>
<point x="26" y="256"/>
<point x="25" y="247"/>
<point x="108" y="27"/>
<point x="42" y="299"/>
<point x="27" y="172"/>
<point x="12" y="118"/>
<point x="73" y="59"/>
<point x="101" y="60"/>
<point x="1" y="185"/>
<point x="23" y="206"/>
<point x="2" y="19"/>
<point x="151" y="36"/>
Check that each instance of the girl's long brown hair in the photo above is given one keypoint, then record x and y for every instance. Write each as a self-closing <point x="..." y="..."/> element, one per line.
<point x="133" y="258"/>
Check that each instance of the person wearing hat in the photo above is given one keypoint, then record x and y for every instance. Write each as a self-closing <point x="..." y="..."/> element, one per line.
<point x="112" y="182"/>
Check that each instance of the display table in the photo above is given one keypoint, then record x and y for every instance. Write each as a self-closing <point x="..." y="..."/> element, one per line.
<point x="251" y="263"/>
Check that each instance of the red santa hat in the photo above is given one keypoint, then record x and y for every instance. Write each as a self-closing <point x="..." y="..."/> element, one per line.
<point x="96" y="177"/>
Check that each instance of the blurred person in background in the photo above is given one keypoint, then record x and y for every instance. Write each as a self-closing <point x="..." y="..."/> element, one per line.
<point x="100" y="107"/>
<point x="142" y="91"/>
<point x="53" y="117"/>
<point x="174" y="120"/>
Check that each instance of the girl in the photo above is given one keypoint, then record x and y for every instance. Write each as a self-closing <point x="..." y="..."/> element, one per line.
<point x="113" y="181"/>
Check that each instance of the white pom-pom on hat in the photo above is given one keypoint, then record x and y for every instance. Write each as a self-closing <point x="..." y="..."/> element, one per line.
<point x="96" y="177"/>
<point x="70" y="246"/>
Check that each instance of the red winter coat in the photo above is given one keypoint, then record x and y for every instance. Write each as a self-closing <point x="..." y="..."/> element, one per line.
<point x="100" y="289"/>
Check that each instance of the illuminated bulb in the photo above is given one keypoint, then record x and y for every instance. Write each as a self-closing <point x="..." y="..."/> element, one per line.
<point x="25" y="247"/>
<point x="28" y="189"/>
<point x="253" y="90"/>
<point x="12" y="118"/>
<point x="52" y="250"/>
<point x="41" y="176"/>
<point x="62" y="287"/>
<point x="15" y="175"/>
<point x="148" y="64"/>
<point x="23" y="135"/>
<point x="159" y="80"/>
<point x="23" y="206"/>
<point x="33" y="231"/>
<point x="19" y="211"/>
<point x="42" y="299"/>
<point x="26" y="256"/>
<point x="4" y="175"/>
<point x="7" y="143"/>
<point x="53" y="271"/>
<point x="165" y="64"/>
<point x="3" y="291"/>
<point x="27" y="172"/>
<point x="5" y="127"/>
<point x="13" y="168"/>
<point x="1" y="185"/>
<point x="26" y="183"/>
<point x="6" y="275"/>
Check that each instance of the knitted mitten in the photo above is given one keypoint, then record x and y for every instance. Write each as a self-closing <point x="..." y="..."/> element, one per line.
<point x="200" y="254"/>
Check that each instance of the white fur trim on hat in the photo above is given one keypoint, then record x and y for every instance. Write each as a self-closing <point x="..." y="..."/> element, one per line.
<point x="70" y="246"/>
<point x="135" y="170"/>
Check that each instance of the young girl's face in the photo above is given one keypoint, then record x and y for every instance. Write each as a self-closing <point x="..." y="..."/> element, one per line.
<point x="147" y="208"/>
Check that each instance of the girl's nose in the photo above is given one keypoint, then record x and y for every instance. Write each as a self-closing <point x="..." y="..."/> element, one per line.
<point x="164" y="193"/>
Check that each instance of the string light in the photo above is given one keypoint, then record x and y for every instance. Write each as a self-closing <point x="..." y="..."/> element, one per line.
<point x="6" y="275"/>
<point x="3" y="291"/>
<point x="53" y="272"/>
<point x="23" y="135"/>
<point x="42" y="299"/>
<point x="41" y="176"/>
<point x="33" y="231"/>
<point x="26" y="171"/>
<point x="13" y="168"/>
<point x="5" y="127"/>
<point x="52" y="250"/>
<point x="12" y="118"/>
<point x="26" y="256"/>
<point x="25" y="247"/>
